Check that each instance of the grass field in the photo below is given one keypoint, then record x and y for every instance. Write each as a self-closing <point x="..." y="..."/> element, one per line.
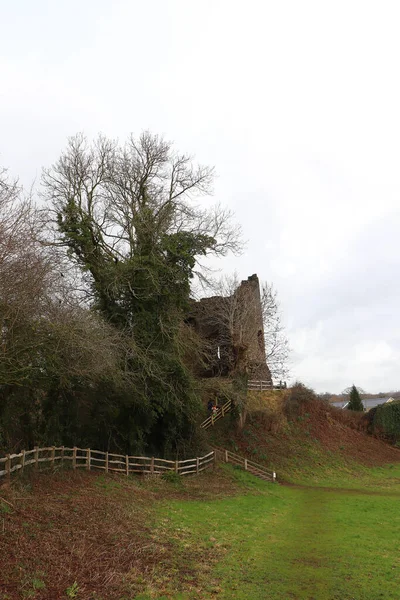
<point x="280" y="542"/>
<point x="224" y="535"/>
<point x="331" y="532"/>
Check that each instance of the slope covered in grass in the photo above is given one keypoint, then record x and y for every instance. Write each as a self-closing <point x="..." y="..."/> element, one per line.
<point x="304" y="439"/>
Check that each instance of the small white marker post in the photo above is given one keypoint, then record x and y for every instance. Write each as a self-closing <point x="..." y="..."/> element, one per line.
<point x="273" y="477"/>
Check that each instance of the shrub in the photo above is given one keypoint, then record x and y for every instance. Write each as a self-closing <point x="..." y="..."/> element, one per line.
<point x="386" y="421"/>
<point x="297" y="400"/>
<point x="172" y="477"/>
<point x="269" y="421"/>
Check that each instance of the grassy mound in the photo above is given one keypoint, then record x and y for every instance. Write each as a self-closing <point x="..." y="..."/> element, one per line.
<point x="303" y="438"/>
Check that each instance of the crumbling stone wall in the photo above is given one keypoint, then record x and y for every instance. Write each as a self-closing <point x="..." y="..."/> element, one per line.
<point x="251" y="299"/>
<point x="234" y="331"/>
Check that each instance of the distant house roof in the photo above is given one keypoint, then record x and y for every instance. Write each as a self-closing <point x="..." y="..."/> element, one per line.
<point x="367" y="402"/>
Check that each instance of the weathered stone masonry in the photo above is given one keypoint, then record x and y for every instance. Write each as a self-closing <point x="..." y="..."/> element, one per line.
<point x="233" y="327"/>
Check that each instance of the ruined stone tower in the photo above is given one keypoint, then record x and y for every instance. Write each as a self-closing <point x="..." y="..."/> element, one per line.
<point x="234" y="331"/>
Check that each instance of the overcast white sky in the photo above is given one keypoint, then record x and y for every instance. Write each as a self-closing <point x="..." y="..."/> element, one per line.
<point x="297" y="104"/>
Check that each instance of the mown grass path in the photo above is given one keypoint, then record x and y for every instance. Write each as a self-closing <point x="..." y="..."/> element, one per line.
<point x="278" y="542"/>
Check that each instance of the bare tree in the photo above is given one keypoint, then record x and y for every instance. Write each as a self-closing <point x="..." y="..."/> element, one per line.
<point x="360" y="390"/>
<point x="130" y="196"/>
<point x="276" y="343"/>
<point x="42" y="330"/>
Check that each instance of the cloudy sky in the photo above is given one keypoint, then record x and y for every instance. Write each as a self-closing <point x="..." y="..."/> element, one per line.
<point x="297" y="104"/>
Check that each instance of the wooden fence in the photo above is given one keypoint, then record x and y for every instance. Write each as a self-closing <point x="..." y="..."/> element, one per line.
<point x="106" y="461"/>
<point x="221" y="412"/>
<point x="248" y="465"/>
<point x="265" y="385"/>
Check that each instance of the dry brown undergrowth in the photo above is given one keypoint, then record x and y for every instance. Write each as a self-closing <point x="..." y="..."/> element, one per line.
<point x="97" y="531"/>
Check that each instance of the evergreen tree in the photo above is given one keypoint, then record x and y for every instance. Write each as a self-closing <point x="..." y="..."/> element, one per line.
<point x="355" y="402"/>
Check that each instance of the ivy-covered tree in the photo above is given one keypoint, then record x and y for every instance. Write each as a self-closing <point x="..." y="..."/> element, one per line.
<point x="355" y="402"/>
<point x="128" y="217"/>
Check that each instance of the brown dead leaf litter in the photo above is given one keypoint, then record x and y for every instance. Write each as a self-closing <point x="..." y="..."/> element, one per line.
<point x="94" y="532"/>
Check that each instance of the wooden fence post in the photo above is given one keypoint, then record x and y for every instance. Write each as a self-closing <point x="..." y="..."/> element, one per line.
<point x="8" y="467"/>
<point x="106" y="462"/>
<point x="127" y="464"/>
<point x="245" y="464"/>
<point x="152" y="465"/>
<point x="176" y="466"/>
<point x="62" y="455"/>
<point x="53" y="455"/>
<point x="23" y="460"/>
<point x="197" y="465"/>
<point x="74" y="458"/>
<point x="226" y="456"/>
<point x="36" y="457"/>
<point x="88" y="459"/>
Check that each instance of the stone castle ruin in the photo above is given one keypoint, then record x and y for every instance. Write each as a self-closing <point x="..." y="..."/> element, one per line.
<point x="234" y="332"/>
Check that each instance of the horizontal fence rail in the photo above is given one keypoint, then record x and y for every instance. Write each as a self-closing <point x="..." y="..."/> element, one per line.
<point x="265" y="385"/>
<point x="254" y="468"/>
<point x="220" y="412"/>
<point x="86" y="458"/>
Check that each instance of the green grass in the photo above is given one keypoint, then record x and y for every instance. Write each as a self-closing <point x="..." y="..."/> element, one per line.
<point x="286" y="543"/>
<point x="224" y="535"/>
<point x="349" y="475"/>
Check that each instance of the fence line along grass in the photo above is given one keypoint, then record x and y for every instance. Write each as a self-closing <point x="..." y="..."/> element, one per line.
<point x="252" y="467"/>
<point x="109" y="462"/>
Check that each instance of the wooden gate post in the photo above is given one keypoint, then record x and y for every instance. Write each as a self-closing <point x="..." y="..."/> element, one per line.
<point x="8" y="467"/>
